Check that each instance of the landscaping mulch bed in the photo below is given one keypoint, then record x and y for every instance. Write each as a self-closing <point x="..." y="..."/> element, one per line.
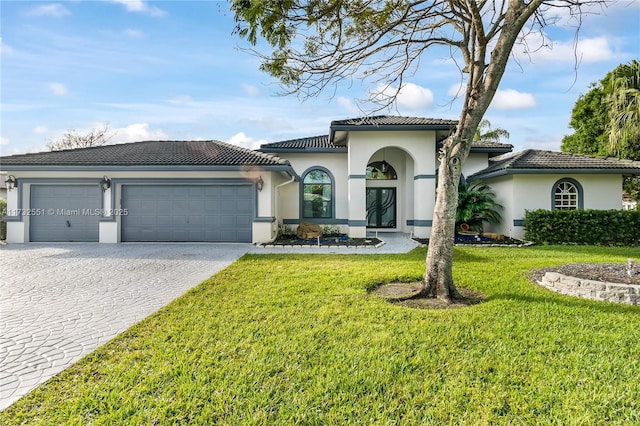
<point x="326" y="241"/>
<point x="404" y="294"/>
<point x="605" y="272"/>
<point x="471" y="240"/>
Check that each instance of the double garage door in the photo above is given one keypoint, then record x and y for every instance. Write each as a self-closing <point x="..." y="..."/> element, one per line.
<point x="207" y="213"/>
<point x="154" y="213"/>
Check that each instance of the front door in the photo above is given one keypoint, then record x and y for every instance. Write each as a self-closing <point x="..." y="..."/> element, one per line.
<point x="381" y="207"/>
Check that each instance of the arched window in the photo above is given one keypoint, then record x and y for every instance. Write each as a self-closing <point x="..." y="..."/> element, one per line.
<point x="567" y="195"/>
<point x="381" y="170"/>
<point x="317" y="194"/>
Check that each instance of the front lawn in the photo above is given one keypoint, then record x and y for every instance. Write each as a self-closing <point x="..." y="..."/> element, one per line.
<point x="282" y="339"/>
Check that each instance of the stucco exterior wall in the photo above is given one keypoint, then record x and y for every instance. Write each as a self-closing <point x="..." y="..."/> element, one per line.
<point x="521" y="192"/>
<point x="413" y="155"/>
<point x="474" y="163"/>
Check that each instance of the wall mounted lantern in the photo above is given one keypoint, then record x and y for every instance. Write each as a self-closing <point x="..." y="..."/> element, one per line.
<point x="384" y="166"/>
<point x="11" y="182"/>
<point x="105" y="183"/>
<point x="260" y="184"/>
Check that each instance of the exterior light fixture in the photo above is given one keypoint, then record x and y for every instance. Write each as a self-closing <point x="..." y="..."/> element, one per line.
<point x="384" y="167"/>
<point x="11" y="182"/>
<point x="105" y="183"/>
<point x="260" y="183"/>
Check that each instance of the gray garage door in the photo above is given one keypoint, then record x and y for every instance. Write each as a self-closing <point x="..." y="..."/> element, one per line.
<point x="65" y="213"/>
<point x="173" y="213"/>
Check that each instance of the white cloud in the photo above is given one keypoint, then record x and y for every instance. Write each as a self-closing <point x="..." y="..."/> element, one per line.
<point x="512" y="99"/>
<point x="250" y="90"/>
<point x="410" y="96"/>
<point x="241" y="139"/>
<point x="53" y="9"/>
<point x="40" y="130"/>
<point x="4" y="141"/>
<point x="135" y="133"/>
<point x="348" y="105"/>
<point x="140" y="6"/>
<point x="413" y="96"/>
<point x="588" y="50"/>
<point x="58" y="89"/>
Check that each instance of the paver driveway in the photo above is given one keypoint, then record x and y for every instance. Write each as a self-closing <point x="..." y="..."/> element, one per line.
<point x="59" y="302"/>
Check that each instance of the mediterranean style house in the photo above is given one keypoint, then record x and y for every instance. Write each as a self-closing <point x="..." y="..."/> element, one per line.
<point x="372" y="173"/>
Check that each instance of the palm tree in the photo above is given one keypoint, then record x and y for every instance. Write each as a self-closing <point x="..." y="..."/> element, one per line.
<point x="484" y="132"/>
<point x="476" y="206"/>
<point x="623" y="104"/>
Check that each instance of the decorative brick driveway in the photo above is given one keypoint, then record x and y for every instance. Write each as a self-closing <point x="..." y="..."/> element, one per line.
<point x="59" y="302"/>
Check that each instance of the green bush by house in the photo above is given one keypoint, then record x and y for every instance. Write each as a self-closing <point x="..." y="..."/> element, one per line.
<point x="606" y="227"/>
<point x="3" y="224"/>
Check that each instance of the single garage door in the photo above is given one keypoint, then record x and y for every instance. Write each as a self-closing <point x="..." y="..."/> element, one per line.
<point x="184" y="213"/>
<point x="65" y="213"/>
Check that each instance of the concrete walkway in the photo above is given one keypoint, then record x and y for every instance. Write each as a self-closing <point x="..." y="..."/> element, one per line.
<point x="58" y="302"/>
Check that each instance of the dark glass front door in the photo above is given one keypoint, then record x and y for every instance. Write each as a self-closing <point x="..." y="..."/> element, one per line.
<point x="381" y="207"/>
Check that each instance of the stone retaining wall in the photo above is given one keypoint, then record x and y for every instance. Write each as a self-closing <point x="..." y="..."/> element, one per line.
<point x="589" y="289"/>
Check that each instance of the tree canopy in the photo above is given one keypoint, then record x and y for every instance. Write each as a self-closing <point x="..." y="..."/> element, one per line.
<point x="606" y="119"/>
<point x="73" y="139"/>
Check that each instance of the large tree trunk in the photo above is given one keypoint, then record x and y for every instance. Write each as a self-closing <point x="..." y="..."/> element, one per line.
<point x="438" y="277"/>
<point x="483" y="79"/>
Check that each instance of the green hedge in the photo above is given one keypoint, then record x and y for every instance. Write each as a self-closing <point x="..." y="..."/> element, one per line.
<point x="3" y="224"/>
<point x="600" y="227"/>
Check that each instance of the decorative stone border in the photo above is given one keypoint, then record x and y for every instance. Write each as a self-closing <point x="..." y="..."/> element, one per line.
<point x="590" y="289"/>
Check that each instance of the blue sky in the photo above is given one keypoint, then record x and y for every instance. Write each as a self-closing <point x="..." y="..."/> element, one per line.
<point x="173" y="70"/>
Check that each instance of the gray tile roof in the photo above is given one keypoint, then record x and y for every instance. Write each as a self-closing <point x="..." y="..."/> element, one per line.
<point x="314" y="143"/>
<point x="148" y="153"/>
<point x="322" y="144"/>
<point x="392" y="120"/>
<point x="490" y="145"/>
<point x="538" y="161"/>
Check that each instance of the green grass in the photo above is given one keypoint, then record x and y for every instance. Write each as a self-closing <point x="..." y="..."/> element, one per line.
<point x="278" y="339"/>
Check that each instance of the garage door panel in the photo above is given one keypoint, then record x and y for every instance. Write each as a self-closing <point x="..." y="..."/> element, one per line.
<point x="68" y="215"/>
<point x="188" y="213"/>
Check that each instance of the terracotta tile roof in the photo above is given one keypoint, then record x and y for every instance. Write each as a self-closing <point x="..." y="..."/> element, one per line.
<point x="168" y="153"/>
<point x="538" y="161"/>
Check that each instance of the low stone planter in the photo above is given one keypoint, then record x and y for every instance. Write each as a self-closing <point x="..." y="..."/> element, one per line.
<point x="589" y="289"/>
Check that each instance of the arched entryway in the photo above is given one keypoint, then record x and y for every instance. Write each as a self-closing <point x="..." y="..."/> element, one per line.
<point x="386" y="192"/>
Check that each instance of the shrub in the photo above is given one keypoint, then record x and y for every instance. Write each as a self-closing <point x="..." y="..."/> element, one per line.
<point x="476" y="206"/>
<point x="3" y="224"/>
<point x="602" y="227"/>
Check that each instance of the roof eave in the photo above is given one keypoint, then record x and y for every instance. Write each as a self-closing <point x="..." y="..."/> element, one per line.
<point x="337" y="150"/>
<point x="488" y="150"/>
<point x="592" y="171"/>
<point x="144" y="167"/>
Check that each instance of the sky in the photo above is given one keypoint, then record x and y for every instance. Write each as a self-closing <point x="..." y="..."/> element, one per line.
<point x="175" y="70"/>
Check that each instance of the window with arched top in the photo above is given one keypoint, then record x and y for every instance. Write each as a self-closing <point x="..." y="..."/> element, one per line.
<point x="381" y="170"/>
<point x="567" y="195"/>
<point x="317" y="194"/>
